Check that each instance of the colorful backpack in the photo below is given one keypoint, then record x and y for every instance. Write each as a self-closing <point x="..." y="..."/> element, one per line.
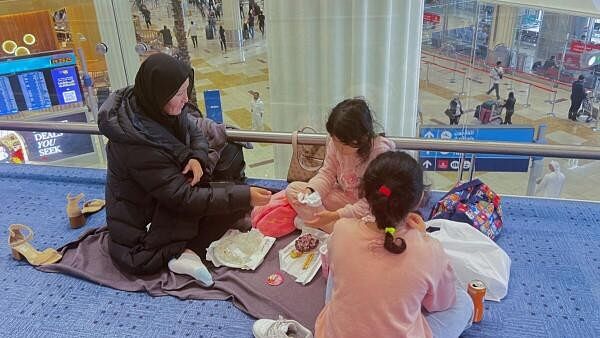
<point x="473" y="203"/>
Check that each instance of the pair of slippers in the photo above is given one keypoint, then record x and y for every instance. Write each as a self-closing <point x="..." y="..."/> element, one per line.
<point x="77" y="214"/>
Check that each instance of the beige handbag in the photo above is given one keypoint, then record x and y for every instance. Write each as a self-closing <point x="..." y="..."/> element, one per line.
<point x="306" y="159"/>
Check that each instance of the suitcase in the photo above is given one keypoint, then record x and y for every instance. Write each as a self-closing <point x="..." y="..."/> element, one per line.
<point x="209" y="33"/>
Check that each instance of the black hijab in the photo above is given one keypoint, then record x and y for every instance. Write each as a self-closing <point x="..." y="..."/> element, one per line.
<point x="156" y="82"/>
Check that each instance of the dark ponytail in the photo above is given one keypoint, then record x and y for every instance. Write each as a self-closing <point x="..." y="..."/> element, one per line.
<point x="393" y="186"/>
<point x="394" y="245"/>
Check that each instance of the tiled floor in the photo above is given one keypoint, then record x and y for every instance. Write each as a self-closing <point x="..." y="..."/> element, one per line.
<point x="243" y="69"/>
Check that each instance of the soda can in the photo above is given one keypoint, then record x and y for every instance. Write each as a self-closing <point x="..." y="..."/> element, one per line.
<point x="477" y="290"/>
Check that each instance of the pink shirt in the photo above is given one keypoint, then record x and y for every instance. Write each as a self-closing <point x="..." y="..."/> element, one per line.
<point x="344" y="172"/>
<point x="377" y="293"/>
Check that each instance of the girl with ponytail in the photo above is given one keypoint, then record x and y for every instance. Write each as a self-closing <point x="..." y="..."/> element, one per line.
<point x="391" y="278"/>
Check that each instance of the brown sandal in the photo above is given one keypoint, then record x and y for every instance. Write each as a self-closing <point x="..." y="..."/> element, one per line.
<point x="76" y="218"/>
<point x="21" y="248"/>
<point x="92" y="206"/>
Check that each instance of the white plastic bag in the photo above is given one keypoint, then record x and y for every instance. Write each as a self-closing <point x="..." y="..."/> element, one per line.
<point x="241" y="250"/>
<point x="474" y="256"/>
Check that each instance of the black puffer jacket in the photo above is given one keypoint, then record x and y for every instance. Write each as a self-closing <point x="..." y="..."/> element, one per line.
<point x="151" y="210"/>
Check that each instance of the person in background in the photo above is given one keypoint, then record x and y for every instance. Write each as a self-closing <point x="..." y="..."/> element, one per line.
<point x="212" y="22"/>
<point x="147" y="16"/>
<point x="496" y="75"/>
<point x="509" y="104"/>
<point x="251" y="26"/>
<point x="353" y="144"/>
<point x="245" y="33"/>
<point x="577" y="96"/>
<point x="222" y="38"/>
<point x="161" y="209"/>
<point x="193" y="33"/>
<point x="552" y="183"/>
<point x="261" y="23"/>
<point x="454" y="111"/>
<point x="387" y="277"/>
<point x="550" y="63"/>
<point x="218" y="11"/>
<point x="257" y="109"/>
<point x="166" y="36"/>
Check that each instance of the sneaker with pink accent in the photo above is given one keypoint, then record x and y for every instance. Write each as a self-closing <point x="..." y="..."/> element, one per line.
<point x="281" y="328"/>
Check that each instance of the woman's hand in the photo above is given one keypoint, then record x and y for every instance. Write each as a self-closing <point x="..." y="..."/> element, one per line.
<point x="415" y="221"/>
<point x="196" y="169"/>
<point x="323" y="218"/>
<point x="259" y="196"/>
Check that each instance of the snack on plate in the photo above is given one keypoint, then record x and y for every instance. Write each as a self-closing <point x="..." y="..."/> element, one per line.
<point x="295" y="253"/>
<point x="308" y="260"/>
<point x="306" y="242"/>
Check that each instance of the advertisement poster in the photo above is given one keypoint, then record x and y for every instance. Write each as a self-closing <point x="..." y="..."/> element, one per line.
<point x="66" y="84"/>
<point x="11" y="148"/>
<point x="49" y="146"/>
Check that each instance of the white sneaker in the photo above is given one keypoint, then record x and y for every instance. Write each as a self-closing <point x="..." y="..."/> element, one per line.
<point x="281" y="328"/>
<point x="299" y="223"/>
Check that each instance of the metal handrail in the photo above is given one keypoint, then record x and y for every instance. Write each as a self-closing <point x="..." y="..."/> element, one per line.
<point x="407" y="143"/>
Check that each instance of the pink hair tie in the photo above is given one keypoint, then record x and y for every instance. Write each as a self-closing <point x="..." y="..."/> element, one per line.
<point x="385" y="191"/>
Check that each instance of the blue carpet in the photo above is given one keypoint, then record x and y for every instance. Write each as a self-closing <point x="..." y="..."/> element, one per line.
<point x="554" y="289"/>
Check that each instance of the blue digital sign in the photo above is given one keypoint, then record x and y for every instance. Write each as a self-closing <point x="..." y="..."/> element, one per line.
<point x="35" y="92"/>
<point x="36" y="62"/>
<point x="449" y="161"/>
<point x="212" y="102"/>
<point x="66" y="84"/>
<point x="8" y="105"/>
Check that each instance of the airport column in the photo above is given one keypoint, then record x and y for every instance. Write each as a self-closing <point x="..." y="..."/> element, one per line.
<point x="117" y="32"/>
<point x="506" y="21"/>
<point x="232" y="23"/>
<point x="320" y="52"/>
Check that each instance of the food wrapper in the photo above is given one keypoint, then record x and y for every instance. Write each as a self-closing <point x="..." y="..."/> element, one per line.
<point x="313" y="199"/>
<point x="240" y="250"/>
<point x="294" y="266"/>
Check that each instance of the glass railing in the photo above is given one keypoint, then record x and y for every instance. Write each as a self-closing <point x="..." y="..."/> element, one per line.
<point x="510" y="168"/>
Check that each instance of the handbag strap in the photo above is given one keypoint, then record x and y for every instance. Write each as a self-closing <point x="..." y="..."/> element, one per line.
<point x="462" y="187"/>
<point x="295" y="141"/>
<point x="308" y="128"/>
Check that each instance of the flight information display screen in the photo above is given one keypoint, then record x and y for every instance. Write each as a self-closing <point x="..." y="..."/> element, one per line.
<point x="38" y="81"/>
<point x="8" y="105"/>
<point x="34" y="90"/>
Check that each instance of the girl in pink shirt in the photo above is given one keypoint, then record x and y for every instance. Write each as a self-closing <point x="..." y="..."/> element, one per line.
<point x="390" y="279"/>
<point x="353" y="145"/>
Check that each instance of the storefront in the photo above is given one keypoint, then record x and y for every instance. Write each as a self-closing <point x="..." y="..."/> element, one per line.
<point x="56" y="58"/>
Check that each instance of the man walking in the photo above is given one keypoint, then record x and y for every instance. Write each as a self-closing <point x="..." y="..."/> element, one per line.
<point x="222" y="38"/>
<point x="193" y="32"/>
<point x="577" y="96"/>
<point x="261" y="23"/>
<point x="496" y="74"/>
<point x="257" y="108"/>
<point x="167" y="37"/>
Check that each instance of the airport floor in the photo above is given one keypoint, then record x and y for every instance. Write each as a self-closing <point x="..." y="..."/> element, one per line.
<point x="554" y="289"/>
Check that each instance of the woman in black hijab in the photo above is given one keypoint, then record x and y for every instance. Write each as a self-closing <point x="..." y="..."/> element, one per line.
<point x="157" y="213"/>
